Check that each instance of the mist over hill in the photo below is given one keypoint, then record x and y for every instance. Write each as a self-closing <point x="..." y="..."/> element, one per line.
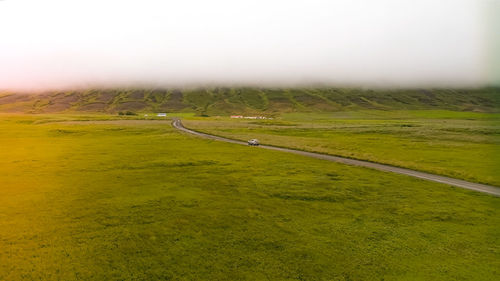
<point x="246" y="100"/>
<point x="377" y="43"/>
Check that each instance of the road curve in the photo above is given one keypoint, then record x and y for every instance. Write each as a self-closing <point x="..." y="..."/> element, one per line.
<point x="381" y="167"/>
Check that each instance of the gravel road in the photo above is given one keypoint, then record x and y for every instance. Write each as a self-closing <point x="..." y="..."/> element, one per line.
<point x="381" y="167"/>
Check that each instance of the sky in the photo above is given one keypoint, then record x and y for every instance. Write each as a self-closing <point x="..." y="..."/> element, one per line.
<point x="56" y="44"/>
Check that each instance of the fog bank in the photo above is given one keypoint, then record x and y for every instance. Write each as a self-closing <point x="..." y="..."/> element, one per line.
<point x="391" y="43"/>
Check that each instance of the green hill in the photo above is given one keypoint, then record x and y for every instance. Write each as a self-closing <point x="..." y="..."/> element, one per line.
<point x="223" y="100"/>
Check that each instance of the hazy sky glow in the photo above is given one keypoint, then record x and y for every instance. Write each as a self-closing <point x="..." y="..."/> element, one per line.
<point x="57" y="44"/>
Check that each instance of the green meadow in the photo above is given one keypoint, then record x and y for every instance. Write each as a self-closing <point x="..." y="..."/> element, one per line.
<point x="463" y="145"/>
<point x="99" y="197"/>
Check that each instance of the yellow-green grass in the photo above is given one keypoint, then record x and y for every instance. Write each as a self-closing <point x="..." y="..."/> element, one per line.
<point x="132" y="200"/>
<point x="463" y="145"/>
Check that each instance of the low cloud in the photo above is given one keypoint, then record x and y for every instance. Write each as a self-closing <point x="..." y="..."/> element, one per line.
<point x="401" y="43"/>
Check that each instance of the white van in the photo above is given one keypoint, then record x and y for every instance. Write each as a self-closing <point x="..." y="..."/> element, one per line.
<point x="253" y="142"/>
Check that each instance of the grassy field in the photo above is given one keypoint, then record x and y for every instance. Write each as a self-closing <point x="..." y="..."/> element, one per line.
<point x="136" y="200"/>
<point x="463" y="145"/>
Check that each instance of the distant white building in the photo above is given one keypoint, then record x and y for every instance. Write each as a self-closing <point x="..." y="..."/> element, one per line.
<point x="161" y="115"/>
<point x="249" y="117"/>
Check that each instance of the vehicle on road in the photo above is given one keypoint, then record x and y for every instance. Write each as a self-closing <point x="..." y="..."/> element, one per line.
<point x="254" y="142"/>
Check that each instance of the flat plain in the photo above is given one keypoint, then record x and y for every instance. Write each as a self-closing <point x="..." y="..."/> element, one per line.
<point x="463" y="145"/>
<point x="109" y="198"/>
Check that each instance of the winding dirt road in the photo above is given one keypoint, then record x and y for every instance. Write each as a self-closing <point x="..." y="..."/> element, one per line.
<point x="381" y="167"/>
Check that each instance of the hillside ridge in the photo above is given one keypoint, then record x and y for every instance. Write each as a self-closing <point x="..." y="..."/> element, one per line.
<point x="222" y="100"/>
